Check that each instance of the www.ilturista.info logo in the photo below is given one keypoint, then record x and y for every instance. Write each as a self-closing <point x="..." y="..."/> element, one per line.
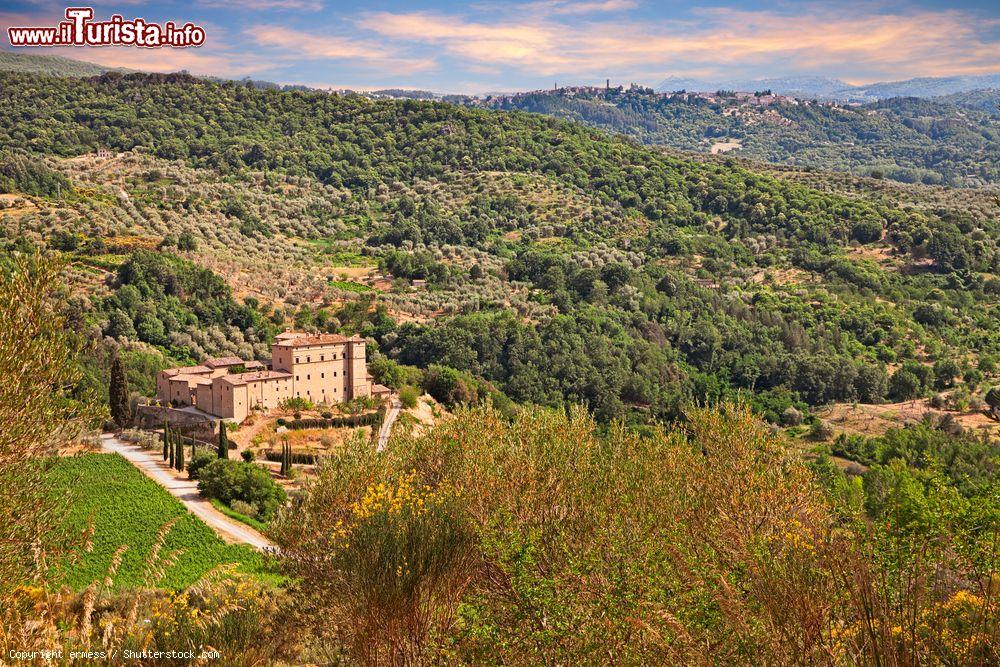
<point x="79" y="30"/>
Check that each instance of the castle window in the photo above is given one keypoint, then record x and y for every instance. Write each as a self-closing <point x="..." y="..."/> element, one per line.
<point x="322" y="375"/>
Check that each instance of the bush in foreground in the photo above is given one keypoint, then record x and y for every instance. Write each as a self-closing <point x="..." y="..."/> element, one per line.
<point x="540" y="540"/>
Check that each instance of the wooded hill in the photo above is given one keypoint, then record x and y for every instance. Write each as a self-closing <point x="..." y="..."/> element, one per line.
<point x="564" y="265"/>
<point x="953" y="141"/>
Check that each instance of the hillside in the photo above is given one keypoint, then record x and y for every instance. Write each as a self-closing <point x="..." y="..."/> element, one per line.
<point x="603" y="272"/>
<point x="910" y="140"/>
<point x="987" y="100"/>
<point x="834" y="89"/>
<point x="698" y="409"/>
<point x="29" y="63"/>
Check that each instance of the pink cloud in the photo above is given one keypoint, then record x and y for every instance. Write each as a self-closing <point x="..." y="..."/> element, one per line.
<point x="300" y="44"/>
<point x="880" y="45"/>
<point x="568" y="7"/>
<point x="258" y="5"/>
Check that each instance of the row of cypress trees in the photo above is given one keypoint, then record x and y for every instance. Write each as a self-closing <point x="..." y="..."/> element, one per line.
<point x="173" y="446"/>
<point x="173" y="449"/>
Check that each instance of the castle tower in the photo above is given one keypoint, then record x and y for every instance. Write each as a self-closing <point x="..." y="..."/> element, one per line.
<point x="357" y="369"/>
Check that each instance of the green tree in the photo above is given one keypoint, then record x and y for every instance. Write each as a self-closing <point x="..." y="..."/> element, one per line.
<point x="121" y="411"/>
<point x="223" y="441"/>
<point x="40" y="368"/>
<point x="993" y="399"/>
<point x="905" y="385"/>
<point x="229" y="480"/>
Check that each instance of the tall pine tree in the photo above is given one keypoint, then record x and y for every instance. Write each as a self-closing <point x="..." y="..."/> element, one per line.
<point x="121" y="412"/>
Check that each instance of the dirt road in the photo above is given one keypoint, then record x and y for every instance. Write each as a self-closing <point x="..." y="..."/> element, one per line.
<point x="390" y="417"/>
<point x="186" y="491"/>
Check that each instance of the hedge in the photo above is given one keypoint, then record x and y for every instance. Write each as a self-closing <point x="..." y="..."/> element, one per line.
<point x="368" y="419"/>
<point x="296" y="457"/>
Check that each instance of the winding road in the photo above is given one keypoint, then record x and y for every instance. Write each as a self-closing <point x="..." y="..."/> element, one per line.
<point x="386" y="429"/>
<point x="186" y="491"/>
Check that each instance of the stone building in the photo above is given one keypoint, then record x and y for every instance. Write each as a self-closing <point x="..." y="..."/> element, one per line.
<point x="321" y="368"/>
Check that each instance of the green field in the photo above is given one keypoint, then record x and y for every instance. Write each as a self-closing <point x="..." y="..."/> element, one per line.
<point x="127" y="508"/>
<point x="350" y="286"/>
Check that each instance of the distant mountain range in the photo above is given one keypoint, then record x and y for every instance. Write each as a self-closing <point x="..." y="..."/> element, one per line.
<point x="835" y="89"/>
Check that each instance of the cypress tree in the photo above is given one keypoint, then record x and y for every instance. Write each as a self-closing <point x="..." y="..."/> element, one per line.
<point x="180" y="456"/>
<point x="166" y="440"/>
<point x="173" y="451"/>
<point x="121" y="412"/>
<point x="193" y="445"/>
<point x="223" y="441"/>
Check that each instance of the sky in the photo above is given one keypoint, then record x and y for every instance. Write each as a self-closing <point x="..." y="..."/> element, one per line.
<point x="490" y="45"/>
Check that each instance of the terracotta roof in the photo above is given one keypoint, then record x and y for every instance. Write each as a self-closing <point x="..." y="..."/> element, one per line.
<point x="184" y="377"/>
<point x="255" y="376"/>
<point x="219" y="362"/>
<point x="308" y="340"/>
<point x="200" y="379"/>
<point x="187" y="370"/>
<point x="254" y="364"/>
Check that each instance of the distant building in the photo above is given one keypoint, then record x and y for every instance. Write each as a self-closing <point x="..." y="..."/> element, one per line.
<point x="322" y="368"/>
<point x="104" y="153"/>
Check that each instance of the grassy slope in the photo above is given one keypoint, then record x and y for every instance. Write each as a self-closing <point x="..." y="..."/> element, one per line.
<point x="127" y="508"/>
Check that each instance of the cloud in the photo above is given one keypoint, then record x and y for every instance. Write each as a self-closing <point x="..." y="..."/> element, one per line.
<point x="569" y="7"/>
<point x="263" y="5"/>
<point x="864" y="45"/>
<point x="297" y="44"/>
<point x="196" y="61"/>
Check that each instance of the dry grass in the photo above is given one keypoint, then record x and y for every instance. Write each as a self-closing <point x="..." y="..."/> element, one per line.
<point x="875" y="419"/>
<point x="711" y="545"/>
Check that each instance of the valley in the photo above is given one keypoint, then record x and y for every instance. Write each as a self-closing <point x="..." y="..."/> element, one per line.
<point x="655" y="404"/>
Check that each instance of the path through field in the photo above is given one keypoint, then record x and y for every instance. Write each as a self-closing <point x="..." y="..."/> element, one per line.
<point x="186" y="491"/>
